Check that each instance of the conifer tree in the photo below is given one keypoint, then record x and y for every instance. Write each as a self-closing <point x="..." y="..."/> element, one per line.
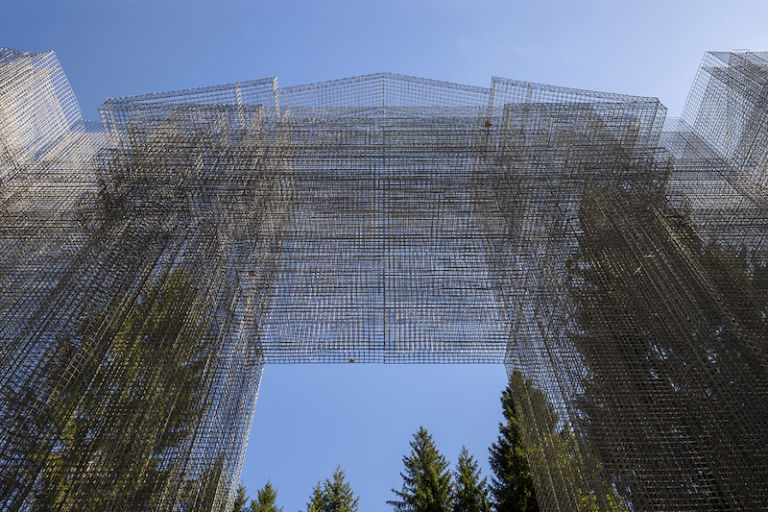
<point x="512" y="485"/>
<point x="471" y="494"/>
<point x="136" y="395"/>
<point x="333" y="495"/>
<point x="682" y="350"/>
<point x="427" y="485"/>
<point x="265" y="500"/>
<point x="241" y="499"/>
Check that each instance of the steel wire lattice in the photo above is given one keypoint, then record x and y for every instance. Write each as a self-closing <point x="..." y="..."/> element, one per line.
<point x="613" y="259"/>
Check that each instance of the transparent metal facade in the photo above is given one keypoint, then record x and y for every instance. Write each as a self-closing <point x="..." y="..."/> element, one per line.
<point x="613" y="259"/>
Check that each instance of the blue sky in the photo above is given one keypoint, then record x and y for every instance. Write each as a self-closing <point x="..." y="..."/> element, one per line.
<point x="124" y="47"/>
<point x="310" y="418"/>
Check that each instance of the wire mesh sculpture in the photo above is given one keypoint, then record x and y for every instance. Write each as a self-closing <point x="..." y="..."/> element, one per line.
<point x="614" y="260"/>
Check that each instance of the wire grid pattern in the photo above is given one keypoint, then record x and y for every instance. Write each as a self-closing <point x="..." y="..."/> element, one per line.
<point x="383" y="259"/>
<point x="104" y="321"/>
<point x="639" y="346"/>
<point x="151" y="265"/>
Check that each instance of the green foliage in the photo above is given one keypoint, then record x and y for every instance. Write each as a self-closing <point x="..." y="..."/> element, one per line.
<point x="471" y="491"/>
<point x="205" y="493"/>
<point x="427" y="485"/>
<point x="333" y="495"/>
<point x="123" y="393"/>
<point x="558" y="449"/>
<point x="512" y="485"/>
<point x="668" y="326"/>
<point x="241" y="500"/>
<point x="266" y="498"/>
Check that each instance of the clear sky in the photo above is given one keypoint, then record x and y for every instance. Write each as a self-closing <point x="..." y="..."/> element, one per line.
<point x="310" y="418"/>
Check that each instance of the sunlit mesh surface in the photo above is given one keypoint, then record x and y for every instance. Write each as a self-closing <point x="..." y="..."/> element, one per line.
<point x="612" y="259"/>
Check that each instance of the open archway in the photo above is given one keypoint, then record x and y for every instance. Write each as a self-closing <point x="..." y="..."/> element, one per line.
<point x="152" y="265"/>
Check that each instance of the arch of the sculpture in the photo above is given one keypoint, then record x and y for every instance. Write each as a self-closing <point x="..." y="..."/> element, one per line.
<point x="614" y="260"/>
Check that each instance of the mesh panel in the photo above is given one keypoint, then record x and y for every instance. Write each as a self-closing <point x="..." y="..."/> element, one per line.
<point x="152" y="264"/>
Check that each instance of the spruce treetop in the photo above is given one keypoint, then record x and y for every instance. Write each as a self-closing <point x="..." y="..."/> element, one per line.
<point x="512" y="484"/>
<point x="266" y="498"/>
<point x="427" y="482"/>
<point x="471" y="493"/>
<point x="333" y="495"/>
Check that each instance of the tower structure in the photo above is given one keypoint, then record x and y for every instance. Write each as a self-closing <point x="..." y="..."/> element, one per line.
<point x="612" y="259"/>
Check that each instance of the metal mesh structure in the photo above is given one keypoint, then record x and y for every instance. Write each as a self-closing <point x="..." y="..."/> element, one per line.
<point x="152" y="264"/>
